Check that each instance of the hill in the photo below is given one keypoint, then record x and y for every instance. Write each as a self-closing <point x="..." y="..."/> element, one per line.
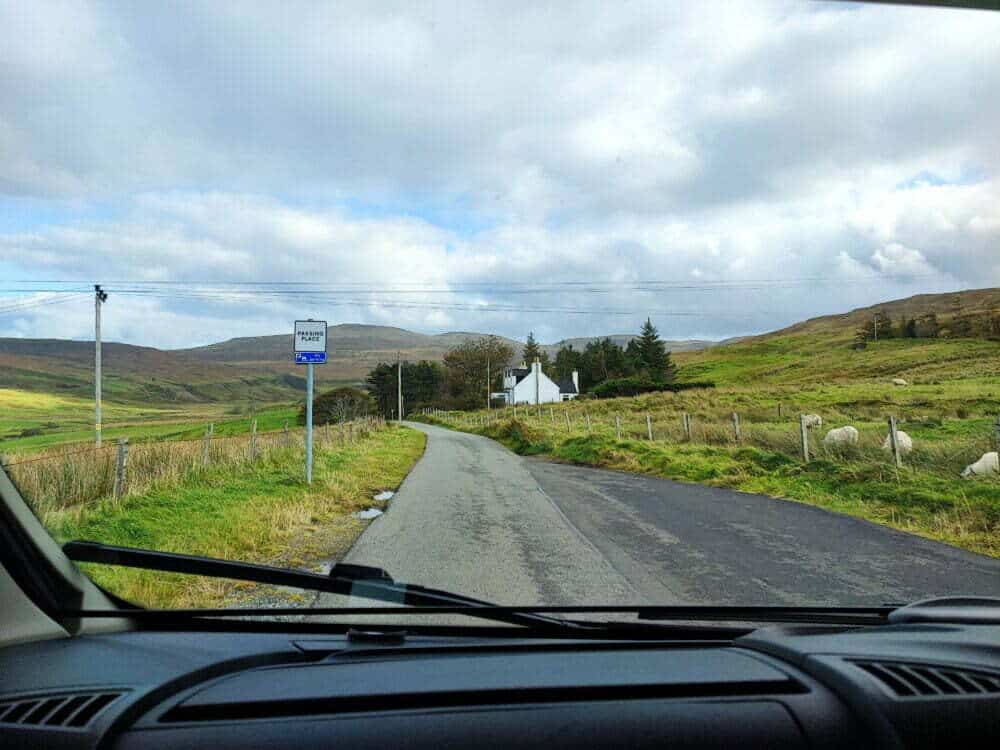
<point x="257" y="367"/>
<point x="260" y="368"/>
<point x="822" y="349"/>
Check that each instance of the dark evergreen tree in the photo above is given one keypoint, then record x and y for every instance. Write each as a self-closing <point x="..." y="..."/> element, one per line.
<point x="567" y="360"/>
<point x="533" y="351"/>
<point x="423" y="384"/>
<point x="653" y="355"/>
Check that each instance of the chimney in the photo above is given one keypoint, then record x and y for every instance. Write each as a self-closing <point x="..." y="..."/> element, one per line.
<point x="576" y="380"/>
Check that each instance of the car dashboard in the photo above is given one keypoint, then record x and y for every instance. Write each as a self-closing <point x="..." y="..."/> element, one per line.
<point x="913" y="685"/>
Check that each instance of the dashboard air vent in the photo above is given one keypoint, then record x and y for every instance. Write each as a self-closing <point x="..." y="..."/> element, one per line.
<point x="916" y="680"/>
<point x="74" y="710"/>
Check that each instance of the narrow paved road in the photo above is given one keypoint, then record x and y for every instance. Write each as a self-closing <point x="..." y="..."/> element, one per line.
<point x="474" y="518"/>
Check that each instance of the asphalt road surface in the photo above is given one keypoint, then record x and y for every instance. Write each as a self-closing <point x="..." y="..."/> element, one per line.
<point x="474" y="518"/>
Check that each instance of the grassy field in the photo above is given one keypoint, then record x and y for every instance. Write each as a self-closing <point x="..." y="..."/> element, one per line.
<point x="807" y="358"/>
<point x="31" y="421"/>
<point x="952" y="423"/>
<point x="260" y="512"/>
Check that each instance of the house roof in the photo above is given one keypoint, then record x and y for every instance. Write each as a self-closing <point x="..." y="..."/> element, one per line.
<point x="519" y="373"/>
<point x="566" y="385"/>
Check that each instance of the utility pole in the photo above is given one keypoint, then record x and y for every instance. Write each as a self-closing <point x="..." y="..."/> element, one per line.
<point x="99" y="297"/>
<point x="399" y="389"/>
<point x="488" y="399"/>
<point x="875" y="320"/>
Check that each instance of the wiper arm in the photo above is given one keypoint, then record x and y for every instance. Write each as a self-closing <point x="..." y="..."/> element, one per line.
<point x="345" y="579"/>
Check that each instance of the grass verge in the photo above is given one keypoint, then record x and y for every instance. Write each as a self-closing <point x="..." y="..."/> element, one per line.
<point x="262" y="512"/>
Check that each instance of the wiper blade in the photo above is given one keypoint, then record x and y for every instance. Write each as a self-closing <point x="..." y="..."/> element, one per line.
<point x="824" y="615"/>
<point x="411" y="599"/>
<point x="348" y="580"/>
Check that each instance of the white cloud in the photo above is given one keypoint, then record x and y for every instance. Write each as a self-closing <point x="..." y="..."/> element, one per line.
<point x="445" y="145"/>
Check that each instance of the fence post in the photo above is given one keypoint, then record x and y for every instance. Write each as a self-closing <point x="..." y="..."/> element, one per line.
<point x="736" y="427"/>
<point x="894" y="441"/>
<point x="121" y="459"/>
<point x="686" y="421"/>
<point x="326" y="433"/>
<point x="998" y="432"/>
<point x="649" y="427"/>
<point x="552" y="416"/>
<point x="779" y="410"/>
<point x="804" y="436"/>
<point x="286" y="437"/>
<point x="515" y="411"/>
<point x="618" y="426"/>
<point x="253" y="441"/>
<point x="207" y="444"/>
<point x="587" y="415"/>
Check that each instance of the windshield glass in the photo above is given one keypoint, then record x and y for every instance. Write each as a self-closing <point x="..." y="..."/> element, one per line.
<point x="585" y="304"/>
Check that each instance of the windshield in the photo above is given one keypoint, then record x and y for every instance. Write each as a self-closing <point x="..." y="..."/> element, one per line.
<point x="585" y="304"/>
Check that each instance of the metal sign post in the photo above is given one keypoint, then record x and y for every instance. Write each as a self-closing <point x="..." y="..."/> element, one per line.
<point x="310" y="349"/>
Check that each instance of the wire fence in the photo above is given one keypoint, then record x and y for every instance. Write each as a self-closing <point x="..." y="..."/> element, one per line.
<point x="803" y="437"/>
<point x="73" y="477"/>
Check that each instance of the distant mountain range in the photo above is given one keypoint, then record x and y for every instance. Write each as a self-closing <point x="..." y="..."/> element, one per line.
<point x="261" y="365"/>
<point x="355" y="339"/>
<point x="258" y="364"/>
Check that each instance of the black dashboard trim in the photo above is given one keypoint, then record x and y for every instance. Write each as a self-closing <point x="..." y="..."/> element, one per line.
<point x="262" y="710"/>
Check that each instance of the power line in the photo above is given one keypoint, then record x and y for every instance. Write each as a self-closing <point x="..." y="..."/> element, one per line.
<point x="309" y="287"/>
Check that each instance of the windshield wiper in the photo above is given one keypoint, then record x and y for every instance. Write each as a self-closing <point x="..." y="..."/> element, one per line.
<point x="412" y="599"/>
<point x="348" y="580"/>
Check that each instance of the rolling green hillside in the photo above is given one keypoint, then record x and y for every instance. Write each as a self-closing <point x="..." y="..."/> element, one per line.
<point x="821" y="350"/>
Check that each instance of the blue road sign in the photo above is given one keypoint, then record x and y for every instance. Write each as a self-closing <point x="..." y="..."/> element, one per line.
<point x="310" y="358"/>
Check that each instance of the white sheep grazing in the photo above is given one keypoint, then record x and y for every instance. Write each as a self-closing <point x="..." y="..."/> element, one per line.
<point x="899" y="381"/>
<point x="904" y="441"/>
<point x="989" y="463"/>
<point x="841" y="436"/>
<point x="812" y="420"/>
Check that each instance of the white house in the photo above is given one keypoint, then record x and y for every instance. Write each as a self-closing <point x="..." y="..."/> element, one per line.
<point x="522" y="385"/>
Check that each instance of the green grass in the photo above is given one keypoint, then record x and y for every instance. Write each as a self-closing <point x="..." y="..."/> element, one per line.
<point x="251" y="513"/>
<point x="63" y="420"/>
<point x="925" y="497"/>
<point x="807" y="358"/>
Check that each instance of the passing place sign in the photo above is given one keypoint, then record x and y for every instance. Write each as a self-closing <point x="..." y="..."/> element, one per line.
<point x="310" y="340"/>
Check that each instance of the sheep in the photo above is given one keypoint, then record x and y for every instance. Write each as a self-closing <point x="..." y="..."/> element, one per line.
<point x="841" y="436"/>
<point x="904" y="441"/>
<point x="989" y="463"/>
<point x="899" y="381"/>
<point x="812" y="420"/>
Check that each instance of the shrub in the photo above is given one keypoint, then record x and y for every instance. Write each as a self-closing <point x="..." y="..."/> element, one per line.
<point x="339" y="405"/>
<point x="633" y="386"/>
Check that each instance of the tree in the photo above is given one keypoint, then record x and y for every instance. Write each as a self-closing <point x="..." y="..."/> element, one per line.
<point x="651" y="355"/>
<point x="466" y="367"/>
<point x="533" y="351"/>
<point x="422" y="385"/>
<point x="338" y="405"/>
<point x="604" y="359"/>
<point x="926" y="326"/>
<point x="567" y="360"/>
<point x="878" y="326"/>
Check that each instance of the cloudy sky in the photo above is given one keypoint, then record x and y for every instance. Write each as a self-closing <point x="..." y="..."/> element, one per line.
<point x="724" y="168"/>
